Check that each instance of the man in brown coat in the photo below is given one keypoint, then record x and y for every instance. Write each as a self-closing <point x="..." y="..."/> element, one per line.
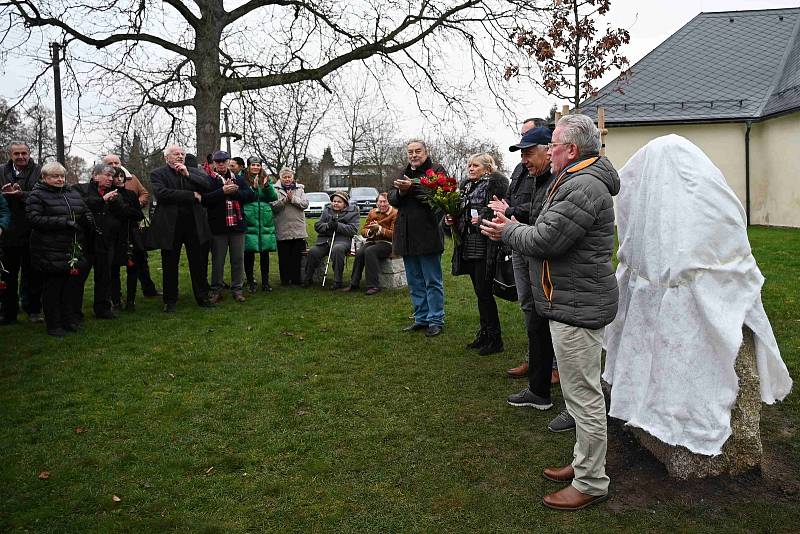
<point x="378" y="230"/>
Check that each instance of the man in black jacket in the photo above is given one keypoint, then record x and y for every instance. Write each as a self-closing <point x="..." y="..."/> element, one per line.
<point x="179" y="220"/>
<point x="17" y="178"/>
<point x="419" y="239"/>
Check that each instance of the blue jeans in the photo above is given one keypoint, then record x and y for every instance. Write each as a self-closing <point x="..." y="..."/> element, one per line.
<point x="424" y="276"/>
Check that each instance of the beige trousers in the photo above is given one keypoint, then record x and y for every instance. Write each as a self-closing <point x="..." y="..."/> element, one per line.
<point x="578" y="353"/>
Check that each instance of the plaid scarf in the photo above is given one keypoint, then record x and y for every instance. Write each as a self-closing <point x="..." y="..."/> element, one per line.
<point x="233" y="213"/>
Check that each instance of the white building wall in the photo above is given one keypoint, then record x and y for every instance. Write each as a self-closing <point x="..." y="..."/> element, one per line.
<point x="775" y="171"/>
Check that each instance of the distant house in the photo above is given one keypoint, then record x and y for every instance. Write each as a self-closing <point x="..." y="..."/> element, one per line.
<point x="730" y="83"/>
<point x="337" y="177"/>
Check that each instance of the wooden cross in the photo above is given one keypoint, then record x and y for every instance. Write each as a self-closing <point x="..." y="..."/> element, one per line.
<point x="601" y="125"/>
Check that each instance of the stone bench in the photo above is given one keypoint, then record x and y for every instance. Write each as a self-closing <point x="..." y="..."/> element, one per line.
<point x="742" y="451"/>
<point x="392" y="274"/>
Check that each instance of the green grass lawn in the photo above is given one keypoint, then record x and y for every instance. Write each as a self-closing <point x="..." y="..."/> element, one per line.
<point x="308" y="411"/>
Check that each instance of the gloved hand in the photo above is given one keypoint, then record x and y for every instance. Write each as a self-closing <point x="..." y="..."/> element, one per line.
<point x="332" y="226"/>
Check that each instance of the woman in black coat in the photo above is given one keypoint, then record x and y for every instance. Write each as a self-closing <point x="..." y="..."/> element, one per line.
<point x="110" y="249"/>
<point x="476" y="253"/>
<point x="126" y="208"/>
<point x="59" y="223"/>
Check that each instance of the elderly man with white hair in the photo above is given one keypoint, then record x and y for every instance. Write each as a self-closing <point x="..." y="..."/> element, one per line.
<point x="571" y="243"/>
<point x="179" y="219"/>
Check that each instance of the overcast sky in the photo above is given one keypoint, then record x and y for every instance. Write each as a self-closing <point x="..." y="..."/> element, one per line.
<point x="649" y="22"/>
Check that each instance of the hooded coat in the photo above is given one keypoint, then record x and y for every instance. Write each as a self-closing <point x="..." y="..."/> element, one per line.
<point x="572" y="242"/>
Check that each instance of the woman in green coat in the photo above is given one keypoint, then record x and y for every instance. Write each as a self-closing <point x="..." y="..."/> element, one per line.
<point x="260" y="235"/>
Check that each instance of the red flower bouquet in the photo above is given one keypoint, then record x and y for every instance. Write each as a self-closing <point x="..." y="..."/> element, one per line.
<point x="441" y="193"/>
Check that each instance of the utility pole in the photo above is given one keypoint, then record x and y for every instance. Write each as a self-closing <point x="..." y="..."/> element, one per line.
<point x="56" y="56"/>
<point x="227" y="129"/>
<point x="40" y="138"/>
<point x="227" y="134"/>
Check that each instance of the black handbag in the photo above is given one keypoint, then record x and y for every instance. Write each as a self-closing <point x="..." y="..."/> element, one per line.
<point x="504" y="286"/>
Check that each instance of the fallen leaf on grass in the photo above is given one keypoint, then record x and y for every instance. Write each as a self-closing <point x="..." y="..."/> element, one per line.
<point x="115" y="498"/>
<point x="249" y="328"/>
<point x="44" y="475"/>
<point x="289" y="334"/>
<point x="407" y="388"/>
<point x="172" y="376"/>
<point x="209" y="470"/>
<point x="301" y="412"/>
<point x="79" y="430"/>
<point x="301" y="338"/>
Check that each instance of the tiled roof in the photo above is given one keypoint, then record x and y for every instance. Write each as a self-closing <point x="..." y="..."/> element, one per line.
<point x="733" y="65"/>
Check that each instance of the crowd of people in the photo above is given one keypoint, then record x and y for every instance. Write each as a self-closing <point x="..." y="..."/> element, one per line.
<point x="555" y="214"/>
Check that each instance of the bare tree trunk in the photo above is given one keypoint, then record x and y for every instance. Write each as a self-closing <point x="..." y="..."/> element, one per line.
<point x="207" y="127"/>
<point x="208" y="82"/>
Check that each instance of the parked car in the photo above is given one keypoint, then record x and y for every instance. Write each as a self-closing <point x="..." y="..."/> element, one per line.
<point x="364" y="198"/>
<point x="316" y="203"/>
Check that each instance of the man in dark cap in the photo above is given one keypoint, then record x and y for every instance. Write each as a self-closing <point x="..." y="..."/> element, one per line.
<point x="226" y="219"/>
<point x="527" y="193"/>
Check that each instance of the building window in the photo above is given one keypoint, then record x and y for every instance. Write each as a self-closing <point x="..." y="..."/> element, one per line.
<point x="337" y="181"/>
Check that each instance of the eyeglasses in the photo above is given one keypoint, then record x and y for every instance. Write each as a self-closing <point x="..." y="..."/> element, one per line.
<point x="551" y="145"/>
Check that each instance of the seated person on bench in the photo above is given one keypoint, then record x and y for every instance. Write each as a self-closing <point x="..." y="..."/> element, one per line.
<point x="337" y="224"/>
<point x="378" y="230"/>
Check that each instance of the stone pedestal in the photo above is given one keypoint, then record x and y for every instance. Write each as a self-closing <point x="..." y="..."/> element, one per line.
<point x="393" y="274"/>
<point x="743" y="451"/>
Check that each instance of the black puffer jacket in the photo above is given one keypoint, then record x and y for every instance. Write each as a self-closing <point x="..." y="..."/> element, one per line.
<point x="58" y="218"/>
<point x="417" y="231"/>
<point x="573" y="237"/>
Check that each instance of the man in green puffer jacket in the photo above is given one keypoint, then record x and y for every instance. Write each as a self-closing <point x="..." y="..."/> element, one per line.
<point x="574" y="286"/>
<point x="260" y="235"/>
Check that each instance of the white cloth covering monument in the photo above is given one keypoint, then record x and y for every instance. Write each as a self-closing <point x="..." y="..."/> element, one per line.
<point x="688" y="286"/>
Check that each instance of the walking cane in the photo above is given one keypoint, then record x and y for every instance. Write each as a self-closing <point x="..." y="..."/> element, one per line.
<point x="328" y="261"/>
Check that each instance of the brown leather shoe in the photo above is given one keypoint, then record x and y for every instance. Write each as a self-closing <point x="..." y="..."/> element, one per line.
<point x="518" y="372"/>
<point x="569" y="499"/>
<point x="238" y="297"/>
<point x="559" y="474"/>
<point x="215" y="297"/>
<point x="555" y="378"/>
